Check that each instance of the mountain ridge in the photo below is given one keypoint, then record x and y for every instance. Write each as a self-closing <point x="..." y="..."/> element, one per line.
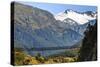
<point x="34" y="27"/>
<point x="79" y="17"/>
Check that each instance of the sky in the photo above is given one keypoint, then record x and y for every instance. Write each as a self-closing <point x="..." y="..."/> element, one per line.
<point x="57" y="8"/>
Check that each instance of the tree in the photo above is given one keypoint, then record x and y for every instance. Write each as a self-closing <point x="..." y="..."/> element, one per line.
<point x="88" y="51"/>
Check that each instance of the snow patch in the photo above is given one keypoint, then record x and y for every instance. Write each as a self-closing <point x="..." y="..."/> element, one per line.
<point x="78" y="17"/>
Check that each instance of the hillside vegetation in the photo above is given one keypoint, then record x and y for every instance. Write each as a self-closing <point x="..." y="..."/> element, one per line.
<point x="21" y="58"/>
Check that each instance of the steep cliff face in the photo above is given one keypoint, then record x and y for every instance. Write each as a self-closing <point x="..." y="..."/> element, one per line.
<point x="27" y="19"/>
<point x="30" y="16"/>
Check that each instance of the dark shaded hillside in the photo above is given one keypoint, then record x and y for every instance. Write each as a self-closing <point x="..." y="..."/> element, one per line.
<point x="88" y="51"/>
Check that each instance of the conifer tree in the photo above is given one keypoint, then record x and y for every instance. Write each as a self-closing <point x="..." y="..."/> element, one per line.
<point x="88" y="50"/>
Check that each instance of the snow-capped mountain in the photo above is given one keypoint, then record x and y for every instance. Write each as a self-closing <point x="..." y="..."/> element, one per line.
<point x="74" y="16"/>
<point x="77" y="21"/>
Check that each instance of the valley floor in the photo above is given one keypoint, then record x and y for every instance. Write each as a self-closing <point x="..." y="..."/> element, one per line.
<point x="23" y="59"/>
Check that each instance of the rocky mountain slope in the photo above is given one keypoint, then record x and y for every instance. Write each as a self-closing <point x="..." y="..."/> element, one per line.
<point x="37" y="28"/>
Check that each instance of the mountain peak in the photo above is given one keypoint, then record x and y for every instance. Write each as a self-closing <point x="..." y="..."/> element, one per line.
<point x="79" y="17"/>
<point x="90" y="13"/>
<point x="68" y="10"/>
